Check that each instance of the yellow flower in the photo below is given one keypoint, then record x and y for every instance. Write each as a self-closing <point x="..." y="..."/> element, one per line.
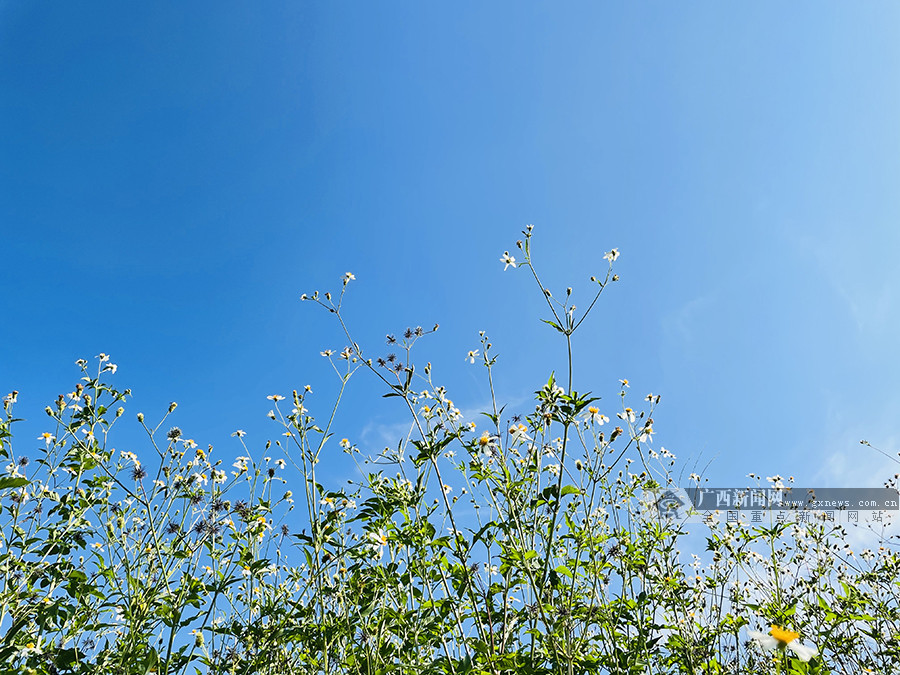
<point x="780" y="638"/>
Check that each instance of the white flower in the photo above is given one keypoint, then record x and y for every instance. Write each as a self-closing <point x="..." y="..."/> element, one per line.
<point x="218" y="476"/>
<point x="612" y="255"/>
<point x="507" y="260"/>
<point x="627" y="414"/>
<point x="624" y="382"/>
<point x="377" y="541"/>
<point x="103" y="357"/>
<point x="779" y="638"/>
<point x="553" y="469"/>
<point x="592" y="416"/>
<point x="275" y="397"/>
<point x="345" y="444"/>
<point x="280" y="463"/>
<point x="472" y="355"/>
<point x="646" y="434"/>
<point x="519" y="433"/>
<point x="240" y="433"/>
<point x="349" y="276"/>
<point x="327" y="353"/>
<point x="47" y="437"/>
<point x="487" y="447"/>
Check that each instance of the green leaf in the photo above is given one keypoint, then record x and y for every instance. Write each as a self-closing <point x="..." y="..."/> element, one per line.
<point x="12" y="482"/>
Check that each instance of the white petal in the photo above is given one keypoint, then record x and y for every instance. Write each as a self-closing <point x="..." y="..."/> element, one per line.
<point x="803" y="653"/>
<point x="764" y="640"/>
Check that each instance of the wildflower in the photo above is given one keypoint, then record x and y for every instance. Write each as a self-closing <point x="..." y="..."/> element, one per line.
<point x="346" y="353"/>
<point x="612" y="255"/>
<point x="241" y="464"/>
<point x="519" y="433"/>
<point x="275" y="397"/>
<point x="507" y="260"/>
<point x="553" y="469"/>
<point x="47" y="437"/>
<point x="174" y="434"/>
<point x="240" y="433"/>
<point x="327" y="353"/>
<point x="218" y="476"/>
<point x="628" y="415"/>
<point x="103" y="357"/>
<point x="472" y="355"/>
<point x="130" y="456"/>
<point x="646" y="434"/>
<point x="593" y="416"/>
<point x="280" y="463"/>
<point x="377" y="541"/>
<point x="348" y="277"/>
<point x="780" y="638"/>
<point x="487" y="447"/>
<point x="345" y="444"/>
<point x="624" y="382"/>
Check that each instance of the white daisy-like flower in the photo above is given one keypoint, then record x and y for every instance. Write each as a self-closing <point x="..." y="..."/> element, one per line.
<point x="627" y="414"/>
<point x="779" y="638"/>
<point x="592" y="416"/>
<point x="377" y="541"/>
<point x="47" y="437"/>
<point x="275" y="397"/>
<point x="349" y="276"/>
<point x="519" y="433"/>
<point x="612" y="255"/>
<point x="487" y="447"/>
<point x="507" y="260"/>
<point x="472" y="355"/>
<point x="240" y="433"/>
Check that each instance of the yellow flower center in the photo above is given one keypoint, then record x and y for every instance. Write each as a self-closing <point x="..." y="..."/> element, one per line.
<point x="593" y="411"/>
<point x="484" y="440"/>
<point x="782" y="635"/>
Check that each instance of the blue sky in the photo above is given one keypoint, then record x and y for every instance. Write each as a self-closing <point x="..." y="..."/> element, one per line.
<point x="174" y="176"/>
